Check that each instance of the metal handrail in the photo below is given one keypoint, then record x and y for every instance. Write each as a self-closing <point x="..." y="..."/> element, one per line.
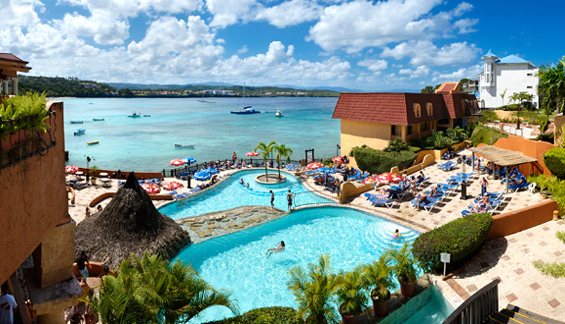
<point x="477" y="308"/>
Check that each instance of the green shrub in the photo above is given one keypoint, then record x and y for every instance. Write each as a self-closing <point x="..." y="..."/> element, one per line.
<point x="488" y="116"/>
<point x="265" y="315"/>
<point x="461" y="237"/>
<point x="554" y="186"/>
<point x="546" y="137"/>
<point x="486" y="135"/>
<point x="543" y="124"/>
<point x="561" y="235"/>
<point x="554" y="159"/>
<point x="31" y="104"/>
<point x="554" y="269"/>
<point x="377" y="161"/>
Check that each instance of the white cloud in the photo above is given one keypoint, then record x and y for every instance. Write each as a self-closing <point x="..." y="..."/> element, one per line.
<point x="419" y="72"/>
<point x="470" y="72"/>
<point x="103" y="28"/>
<point x="243" y="50"/>
<point x="289" y="13"/>
<point x="228" y="12"/>
<point x="426" y="53"/>
<point x="19" y="12"/>
<point x="465" y="26"/>
<point x="374" y="65"/>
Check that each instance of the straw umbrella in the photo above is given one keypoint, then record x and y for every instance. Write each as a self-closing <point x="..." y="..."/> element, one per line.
<point x="130" y="223"/>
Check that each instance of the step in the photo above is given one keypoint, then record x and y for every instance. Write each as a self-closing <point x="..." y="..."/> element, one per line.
<point x="526" y="314"/>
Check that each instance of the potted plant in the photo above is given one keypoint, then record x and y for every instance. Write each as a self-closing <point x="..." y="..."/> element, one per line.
<point x="405" y="268"/>
<point x="31" y="105"/>
<point x="93" y="174"/>
<point x="314" y="291"/>
<point x="378" y="275"/>
<point x="351" y="295"/>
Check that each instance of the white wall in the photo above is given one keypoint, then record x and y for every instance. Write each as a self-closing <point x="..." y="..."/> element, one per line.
<point x="512" y="78"/>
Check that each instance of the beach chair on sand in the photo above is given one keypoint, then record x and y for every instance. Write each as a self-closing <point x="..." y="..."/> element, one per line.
<point x="388" y="203"/>
<point x="522" y="185"/>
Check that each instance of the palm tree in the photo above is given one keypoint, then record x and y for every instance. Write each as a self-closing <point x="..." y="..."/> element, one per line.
<point x="404" y="266"/>
<point x="351" y="294"/>
<point x="378" y="275"/>
<point x="552" y="85"/>
<point x="520" y="97"/>
<point x="314" y="291"/>
<point x="438" y="140"/>
<point x="282" y="152"/>
<point x="266" y="150"/>
<point x="150" y="290"/>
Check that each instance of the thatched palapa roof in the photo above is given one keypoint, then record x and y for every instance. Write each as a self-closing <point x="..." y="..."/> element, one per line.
<point x="502" y="157"/>
<point x="130" y="223"/>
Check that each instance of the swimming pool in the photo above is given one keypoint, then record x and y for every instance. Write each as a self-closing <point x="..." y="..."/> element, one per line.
<point x="230" y="194"/>
<point x="428" y="307"/>
<point x="237" y="261"/>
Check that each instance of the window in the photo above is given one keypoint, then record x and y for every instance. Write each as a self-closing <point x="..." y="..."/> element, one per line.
<point x="409" y="130"/>
<point x="530" y="74"/>
<point x="392" y="130"/>
<point x="529" y="87"/>
<point x="430" y="109"/>
<point x="417" y="110"/>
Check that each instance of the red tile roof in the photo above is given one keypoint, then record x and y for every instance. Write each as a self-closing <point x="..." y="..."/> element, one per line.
<point x="448" y="87"/>
<point x="11" y="57"/>
<point x="398" y="108"/>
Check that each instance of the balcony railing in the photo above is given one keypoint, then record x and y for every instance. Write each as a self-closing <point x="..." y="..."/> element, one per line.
<point x="24" y="143"/>
<point x="477" y="308"/>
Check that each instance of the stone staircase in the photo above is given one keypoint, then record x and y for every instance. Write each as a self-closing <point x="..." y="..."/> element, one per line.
<point x="516" y="315"/>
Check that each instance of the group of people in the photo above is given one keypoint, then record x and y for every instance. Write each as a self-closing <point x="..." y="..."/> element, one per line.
<point x="87" y="213"/>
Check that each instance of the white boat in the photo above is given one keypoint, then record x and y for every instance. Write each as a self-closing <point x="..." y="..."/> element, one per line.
<point x="135" y="115"/>
<point x="185" y="145"/>
<point x="247" y="110"/>
<point x="279" y="113"/>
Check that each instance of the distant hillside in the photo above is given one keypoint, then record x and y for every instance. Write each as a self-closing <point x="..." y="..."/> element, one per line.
<point x="68" y="87"/>
<point x="249" y="90"/>
<point x="73" y="87"/>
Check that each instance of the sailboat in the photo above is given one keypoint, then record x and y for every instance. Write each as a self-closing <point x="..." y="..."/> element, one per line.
<point x="247" y="110"/>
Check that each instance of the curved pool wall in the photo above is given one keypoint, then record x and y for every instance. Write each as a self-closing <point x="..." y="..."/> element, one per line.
<point x="230" y="194"/>
<point x="237" y="261"/>
<point x="429" y="307"/>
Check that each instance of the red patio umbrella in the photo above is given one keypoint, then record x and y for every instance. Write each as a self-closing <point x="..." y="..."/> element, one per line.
<point x="337" y="159"/>
<point x="388" y="177"/>
<point x="371" y="179"/>
<point x="314" y="166"/>
<point x="176" y="162"/>
<point x="71" y="169"/>
<point x="251" y="154"/>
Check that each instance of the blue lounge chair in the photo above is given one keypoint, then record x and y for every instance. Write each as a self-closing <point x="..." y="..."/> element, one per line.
<point x="513" y="187"/>
<point x="399" y="191"/>
<point x="428" y="205"/>
<point x="377" y="202"/>
<point x="421" y="181"/>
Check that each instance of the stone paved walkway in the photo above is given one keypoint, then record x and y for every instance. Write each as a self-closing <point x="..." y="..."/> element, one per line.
<point x="510" y="260"/>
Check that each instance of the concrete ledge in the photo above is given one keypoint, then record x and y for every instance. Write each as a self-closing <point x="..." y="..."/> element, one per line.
<point x="522" y="219"/>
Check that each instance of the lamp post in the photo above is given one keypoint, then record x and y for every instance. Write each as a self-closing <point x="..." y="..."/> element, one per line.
<point x="337" y="150"/>
<point x="88" y="168"/>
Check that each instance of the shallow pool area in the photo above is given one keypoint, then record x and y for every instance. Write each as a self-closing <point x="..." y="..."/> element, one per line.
<point x="237" y="261"/>
<point x="230" y="194"/>
<point x="429" y="307"/>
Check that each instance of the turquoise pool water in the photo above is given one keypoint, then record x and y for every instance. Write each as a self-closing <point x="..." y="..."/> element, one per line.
<point x="237" y="261"/>
<point x="230" y="194"/>
<point x="429" y="307"/>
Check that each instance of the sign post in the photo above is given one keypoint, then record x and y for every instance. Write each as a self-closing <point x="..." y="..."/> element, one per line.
<point x="445" y="258"/>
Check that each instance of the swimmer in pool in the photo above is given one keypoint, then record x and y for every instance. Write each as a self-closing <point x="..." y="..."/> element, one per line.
<point x="396" y="234"/>
<point x="279" y="248"/>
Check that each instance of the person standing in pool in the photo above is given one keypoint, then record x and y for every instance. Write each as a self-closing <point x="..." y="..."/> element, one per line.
<point x="279" y="248"/>
<point x="289" y="198"/>
<point x="272" y="199"/>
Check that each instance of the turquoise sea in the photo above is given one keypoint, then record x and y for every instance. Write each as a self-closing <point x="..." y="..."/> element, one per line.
<point x="148" y="143"/>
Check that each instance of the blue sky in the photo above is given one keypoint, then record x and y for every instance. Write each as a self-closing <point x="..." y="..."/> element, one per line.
<point x="364" y="45"/>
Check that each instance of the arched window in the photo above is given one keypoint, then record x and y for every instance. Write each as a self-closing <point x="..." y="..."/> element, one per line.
<point x="430" y="109"/>
<point x="417" y="110"/>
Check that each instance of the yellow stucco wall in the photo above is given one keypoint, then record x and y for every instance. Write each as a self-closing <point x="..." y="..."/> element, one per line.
<point x="354" y="133"/>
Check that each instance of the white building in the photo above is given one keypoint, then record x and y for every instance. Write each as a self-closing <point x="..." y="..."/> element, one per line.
<point x="504" y="76"/>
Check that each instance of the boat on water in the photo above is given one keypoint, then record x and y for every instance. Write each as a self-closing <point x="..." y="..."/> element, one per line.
<point x="93" y="142"/>
<point x="279" y="113"/>
<point x="135" y="115"/>
<point x="246" y="110"/>
<point x="80" y="131"/>
<point x="185" y="145"/>
<point x="98" y="119"/>
<point x="76" y="121"/>
<point x="146" y="115"/>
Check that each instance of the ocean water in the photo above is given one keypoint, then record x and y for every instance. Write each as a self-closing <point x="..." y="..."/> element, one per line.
<point x="148" y="143"/>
